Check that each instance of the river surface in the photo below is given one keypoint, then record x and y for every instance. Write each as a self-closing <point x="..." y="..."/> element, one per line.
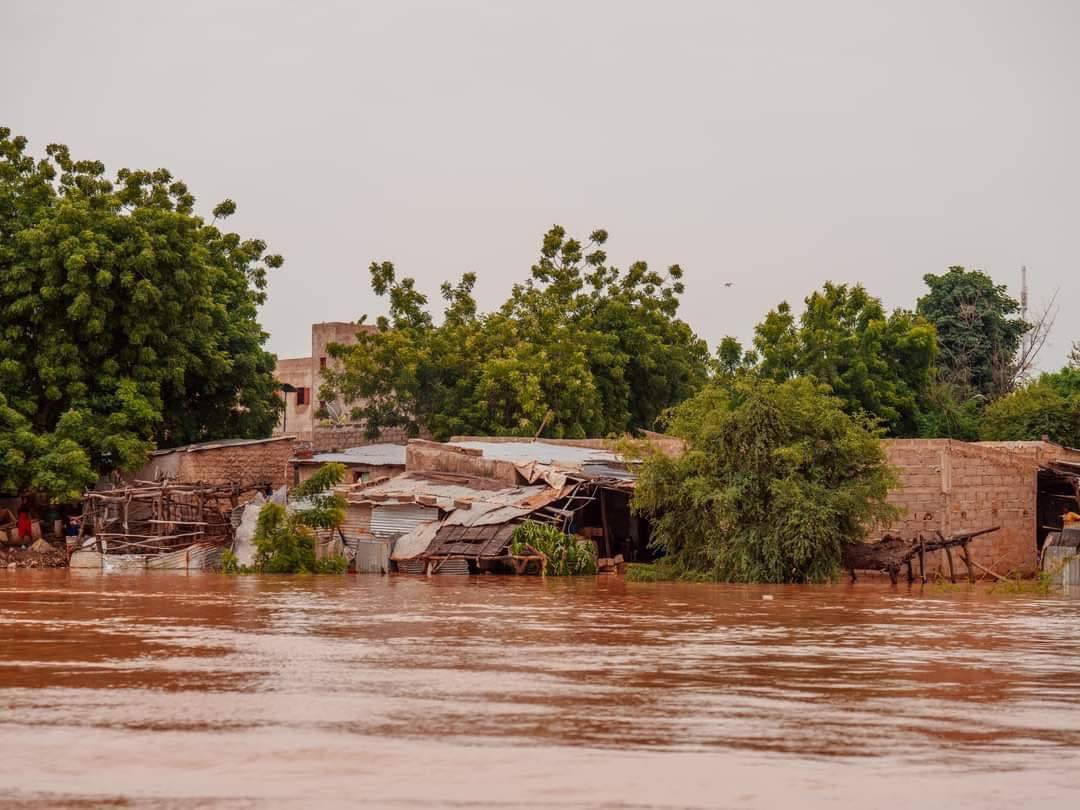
<point x="179" y="691"/>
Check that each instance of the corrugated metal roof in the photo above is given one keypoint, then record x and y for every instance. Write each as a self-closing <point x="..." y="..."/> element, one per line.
<point x="191" y="448"/>
<point x="377" y="455"/>
<point x="540" y="458"/>
<point x="565" y="455"/>
<point x="444" y="490"/>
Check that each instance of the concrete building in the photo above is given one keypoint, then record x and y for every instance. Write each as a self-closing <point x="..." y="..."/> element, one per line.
<point x="304" y="378"/>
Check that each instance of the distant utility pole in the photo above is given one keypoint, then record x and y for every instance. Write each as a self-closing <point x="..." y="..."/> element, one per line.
<point x="1023" y="292"/>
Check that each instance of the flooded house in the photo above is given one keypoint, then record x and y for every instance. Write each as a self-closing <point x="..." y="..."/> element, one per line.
<point x="1024" y="489"/>
<point x="180" y="510"/>
<point x="455" y="507"/>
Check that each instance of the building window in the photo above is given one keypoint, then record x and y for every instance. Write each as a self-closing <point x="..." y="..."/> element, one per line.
<point x="302" y="396"/>
<point x="322" y="363"/>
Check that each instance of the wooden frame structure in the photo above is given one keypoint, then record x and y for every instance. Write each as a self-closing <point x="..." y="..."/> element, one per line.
<point x="152" y="518"/>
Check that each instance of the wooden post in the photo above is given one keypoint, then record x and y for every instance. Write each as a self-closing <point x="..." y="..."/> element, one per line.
<point x="604" y="523"/>
<point x="910" y="572"/>
<point x="952" y="571"/>
<point x="922" y="559"/>
<point x="967" y="562"/>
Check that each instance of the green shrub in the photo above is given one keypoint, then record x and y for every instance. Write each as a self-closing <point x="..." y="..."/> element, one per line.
<point x="776" y="479"/>
<point x="230" y="564"/>
<point x="1049" y="407"/>
<point x="285" y="542"/>
<point x="567" y="555"/>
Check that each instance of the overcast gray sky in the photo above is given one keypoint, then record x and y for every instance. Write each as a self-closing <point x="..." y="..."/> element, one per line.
<point x="775" y="145"/>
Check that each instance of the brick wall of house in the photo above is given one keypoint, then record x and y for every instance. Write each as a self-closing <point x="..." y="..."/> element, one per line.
<point x="242" y="463"/>
<point x="951" y="486"/>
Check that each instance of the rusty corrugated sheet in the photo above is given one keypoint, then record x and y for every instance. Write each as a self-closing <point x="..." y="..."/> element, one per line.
<point x="394" y="520"/>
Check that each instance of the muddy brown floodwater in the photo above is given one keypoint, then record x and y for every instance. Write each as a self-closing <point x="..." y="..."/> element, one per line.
<point x="210" y="691"/>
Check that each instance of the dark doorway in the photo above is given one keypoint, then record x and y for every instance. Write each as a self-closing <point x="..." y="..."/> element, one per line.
<point x="1057" y="495"/>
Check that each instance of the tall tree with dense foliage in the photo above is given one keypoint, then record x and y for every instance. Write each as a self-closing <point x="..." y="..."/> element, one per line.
<point x="979" y="330"/>
<point x="125" y="318"/>
<point x="875" y="363"/>
<point x="1049" y="406"/>
<point x="580" y="348"/>
<point x="776" y="479"/>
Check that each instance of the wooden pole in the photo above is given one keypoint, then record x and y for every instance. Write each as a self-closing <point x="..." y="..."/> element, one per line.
<point x="604" y="523"/>
<point x="952" y="571"/>
<point x="967" y="562"/>
<point x="922" y="559"/>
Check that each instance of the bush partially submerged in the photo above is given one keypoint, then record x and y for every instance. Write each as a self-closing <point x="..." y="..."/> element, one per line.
<point x="285" y="541"/>
<point x="775" y="481"/>
<point x="567" y="555"/>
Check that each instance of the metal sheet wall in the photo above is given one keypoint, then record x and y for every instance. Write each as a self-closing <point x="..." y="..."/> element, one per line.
<point x="394" y="520"/>
<point x="357" y="520"/>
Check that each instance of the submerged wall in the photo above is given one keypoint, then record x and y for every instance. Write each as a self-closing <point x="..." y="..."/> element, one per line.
<point x="953" y="486"/>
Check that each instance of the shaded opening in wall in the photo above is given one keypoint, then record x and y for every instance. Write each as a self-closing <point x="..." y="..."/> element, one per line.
<point x="1057" y="494"/>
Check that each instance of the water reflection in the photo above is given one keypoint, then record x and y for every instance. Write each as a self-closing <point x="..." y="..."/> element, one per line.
<point x="556" y="693"/>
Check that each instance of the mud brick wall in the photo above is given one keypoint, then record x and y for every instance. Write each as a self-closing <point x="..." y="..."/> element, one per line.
<point x="243" y="463"/>
<point x="950" y="487"/>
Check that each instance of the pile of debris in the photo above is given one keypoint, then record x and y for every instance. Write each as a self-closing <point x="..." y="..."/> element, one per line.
<point x="40" y="554"/>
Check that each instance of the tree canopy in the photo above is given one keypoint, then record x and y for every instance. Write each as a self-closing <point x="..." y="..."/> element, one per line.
<point x="978" y="327"/>
<point x="776" y="479"/>
<point x="1049" y="407"/>
<point x="580" y="348"/>
<point x="875" y="363"/>
<point x="125" y="319"/>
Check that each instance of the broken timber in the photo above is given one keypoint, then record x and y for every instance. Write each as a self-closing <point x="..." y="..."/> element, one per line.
<point x="891" y="554"/>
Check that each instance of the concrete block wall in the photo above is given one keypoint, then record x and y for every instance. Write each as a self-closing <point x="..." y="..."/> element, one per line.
<point x="244" y="463"/>
<point x="951" y="486"/>
<point x="326" y="439"/>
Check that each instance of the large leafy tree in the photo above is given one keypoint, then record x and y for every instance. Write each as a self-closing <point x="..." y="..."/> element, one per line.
<point x="775" y="480"/>
<point x="1049" y="406"/>
<point x="876" y="363"/>
<point x="979" y="330"/>
<point x="580" y="348"/>
<point x="125" y="318"/>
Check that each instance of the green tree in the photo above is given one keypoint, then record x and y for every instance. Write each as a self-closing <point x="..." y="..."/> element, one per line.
<point x="580" y="348"/>
<point x="877" y="364"/>
<point x="125" y="318"/>
<point x="948" y="411"/>
<point x="1074" y="355"/>
<point x="978" y="327"/>
<point x="776" y="479"/>
<point x="1049" y="407"/>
